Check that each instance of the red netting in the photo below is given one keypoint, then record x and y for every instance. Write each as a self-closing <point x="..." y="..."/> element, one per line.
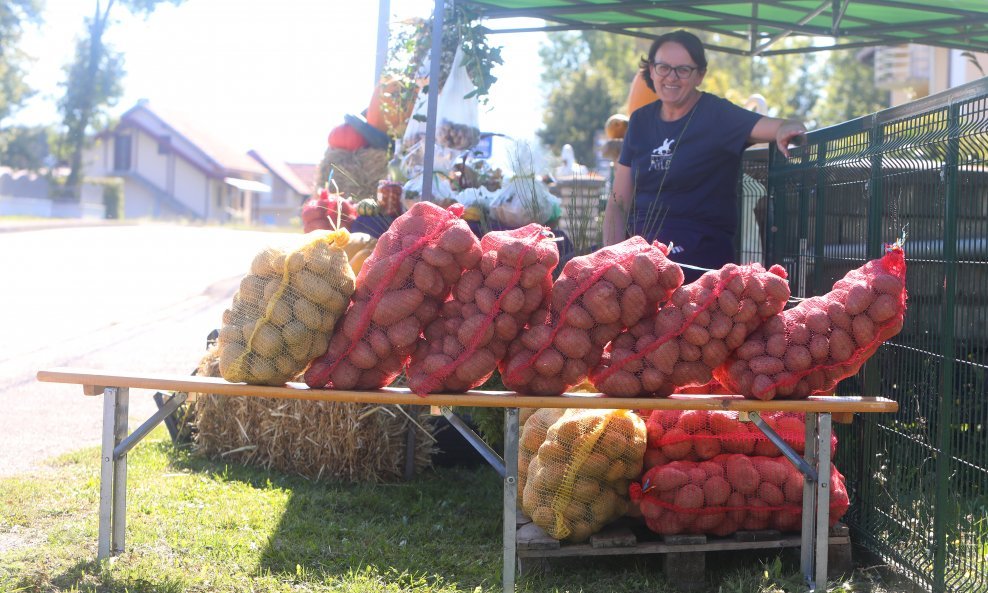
<point x="398" y="292"/>
<point x="595" y="297"/>
<point x="808" y="349"/>
<point x="696" y="435"/>
<point x="489" y="306"/>
<point x="693" y="334"/>
<point x="728" y="493"/>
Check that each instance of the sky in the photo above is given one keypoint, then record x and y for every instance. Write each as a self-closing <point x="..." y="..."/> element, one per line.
<point x="275" y="76"/>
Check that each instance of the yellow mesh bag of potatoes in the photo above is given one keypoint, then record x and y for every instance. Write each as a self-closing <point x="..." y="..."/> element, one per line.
<point x="533" y="431"/>
<point x="285" y="310"/>
<point x="578" y="481"/>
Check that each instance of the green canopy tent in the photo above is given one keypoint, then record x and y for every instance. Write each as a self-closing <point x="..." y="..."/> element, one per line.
<point x="832" y="24"/>
<point x="958" y="24"/>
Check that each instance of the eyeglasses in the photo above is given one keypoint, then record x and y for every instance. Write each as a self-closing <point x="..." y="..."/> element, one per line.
<point x="663" y="69"/>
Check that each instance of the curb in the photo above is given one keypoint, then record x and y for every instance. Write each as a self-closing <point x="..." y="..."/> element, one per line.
<point x="43" y="225"/>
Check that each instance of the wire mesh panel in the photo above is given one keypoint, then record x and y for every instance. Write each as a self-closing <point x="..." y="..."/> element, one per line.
<point x="919" y="479"/>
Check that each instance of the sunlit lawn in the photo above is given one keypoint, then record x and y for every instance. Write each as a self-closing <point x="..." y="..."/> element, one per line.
<point x="196" y="525"/>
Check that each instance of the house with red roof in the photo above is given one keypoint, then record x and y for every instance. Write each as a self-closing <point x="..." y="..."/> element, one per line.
<point x="288" y="191"/>
<point x="173" y="169"/>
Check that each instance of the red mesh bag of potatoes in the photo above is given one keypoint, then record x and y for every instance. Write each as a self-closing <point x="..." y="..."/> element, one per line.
<point x="533" y="433"/>
<point x="398" y="292"/>
<point x="286" y="308"/>
<point x="578" y="481"/>
<point x="693" y="334"/>
<point x="728" y="493"/>
<point x="595" y="297"/>
<point x="489" y="305"/>
<point x="697" y="435"/>
<point x="808" y="349"/>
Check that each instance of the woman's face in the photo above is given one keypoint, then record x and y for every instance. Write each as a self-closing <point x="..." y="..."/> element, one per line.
<point x="669" y="73"/>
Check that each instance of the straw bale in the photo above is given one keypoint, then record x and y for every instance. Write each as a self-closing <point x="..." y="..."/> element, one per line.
<point x="317" y="440"/>
<point x="357" y="172"/>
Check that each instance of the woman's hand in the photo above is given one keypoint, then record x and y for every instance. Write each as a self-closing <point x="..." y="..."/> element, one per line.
<point x="618" y="206"/>
<point x="781" y="131"/>
<point x="790" y="132"/>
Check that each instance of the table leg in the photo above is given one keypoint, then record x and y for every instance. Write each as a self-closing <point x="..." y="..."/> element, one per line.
<point x="510" y="497"/>
<point x="113" y="475"/>
<point x="822" y="510"/>
<point x="811" y="455"/>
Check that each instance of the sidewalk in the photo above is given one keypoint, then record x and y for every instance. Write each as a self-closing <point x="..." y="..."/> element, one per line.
<point x="14" y="225"/>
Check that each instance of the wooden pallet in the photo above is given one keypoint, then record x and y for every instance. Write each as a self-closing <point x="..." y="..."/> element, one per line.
<point x="684" y="560"/>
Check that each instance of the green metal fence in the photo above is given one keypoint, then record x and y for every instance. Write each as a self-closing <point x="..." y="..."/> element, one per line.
<point x="919" y="478"/>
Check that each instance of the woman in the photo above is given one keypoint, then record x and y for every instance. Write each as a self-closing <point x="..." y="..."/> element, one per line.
<point x="676" y="179"/>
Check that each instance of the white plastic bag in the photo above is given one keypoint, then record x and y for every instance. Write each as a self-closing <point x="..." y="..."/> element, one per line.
<point x="459" y="121"/>
<point x="524" y="200"/>
<point x="442" y="192"/>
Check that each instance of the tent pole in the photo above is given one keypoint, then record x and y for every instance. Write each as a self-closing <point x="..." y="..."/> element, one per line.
<point x="383" y="15"/>
<point x="435" y="59"/>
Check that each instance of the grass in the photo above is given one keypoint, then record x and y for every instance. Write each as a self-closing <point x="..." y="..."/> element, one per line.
<point x="196" y="525"/>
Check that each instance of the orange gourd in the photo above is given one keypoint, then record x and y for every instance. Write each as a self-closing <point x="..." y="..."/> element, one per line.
<point x="616" y="126"/>
<point x="385" y="112"/>
<point x="639" y="95"/>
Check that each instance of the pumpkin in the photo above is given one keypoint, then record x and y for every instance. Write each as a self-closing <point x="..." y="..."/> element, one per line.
<point x="368" y="207"/>
<point x="346" y="137"/>
<point x="616" y="126"/>
<point x="639" y="95"/>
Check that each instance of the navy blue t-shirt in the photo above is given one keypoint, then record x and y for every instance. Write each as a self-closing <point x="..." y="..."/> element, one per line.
<point x="697" y="169"/>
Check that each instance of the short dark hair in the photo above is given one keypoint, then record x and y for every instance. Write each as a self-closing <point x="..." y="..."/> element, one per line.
<point x="692" y="43"/>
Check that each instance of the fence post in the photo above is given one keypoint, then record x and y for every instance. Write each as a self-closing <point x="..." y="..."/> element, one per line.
<point x="819" y="213"/>
<point x="945" y="416"/>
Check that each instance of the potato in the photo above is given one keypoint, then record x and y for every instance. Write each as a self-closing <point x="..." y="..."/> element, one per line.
<point x="864" y="331"/>
<point x="741" y="474"/>
<point x="884" y="283"/>
<point x="688" y="352"/>
<point x="883" y="308"/>
<point x="798" y="358"/>
<point x="266" y="340"/>
<point x="841" y="346"/>
<point x="728" y="303"/>
<point x="633" y="305"/>
<point x="396" y="305"/>
<point x="696" y="335"/>
<point x="643" y="271"/>
<point x="601" y="302"/>
<point x="766" y="365"/>
<point x="799" y="334"/>
<point x="776" y="345"/>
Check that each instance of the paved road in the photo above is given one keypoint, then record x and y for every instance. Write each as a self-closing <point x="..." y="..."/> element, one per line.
<point x="139" y="297"/>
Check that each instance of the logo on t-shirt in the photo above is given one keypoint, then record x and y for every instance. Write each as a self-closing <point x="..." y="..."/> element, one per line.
<point x="661" y="156"/>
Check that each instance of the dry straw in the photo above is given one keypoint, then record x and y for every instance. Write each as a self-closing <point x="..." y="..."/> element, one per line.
<point x="317" y="440"/>
<point x="357" y="172"/>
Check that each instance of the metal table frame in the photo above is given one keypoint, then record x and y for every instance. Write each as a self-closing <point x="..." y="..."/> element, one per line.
<point x="814" y="463"/>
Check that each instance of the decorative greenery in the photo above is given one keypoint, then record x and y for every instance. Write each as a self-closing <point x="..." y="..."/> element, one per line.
<point x="409" y="50"/>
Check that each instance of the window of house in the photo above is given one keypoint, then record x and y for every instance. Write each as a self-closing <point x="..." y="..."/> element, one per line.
<point x="121" y="152"/>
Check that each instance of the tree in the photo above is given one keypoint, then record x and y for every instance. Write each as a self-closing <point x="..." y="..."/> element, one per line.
<point x="93" y="83"/>
<point x="23" y="147"/>
<point x="586" y="77"/>
<point x="13" y="89"/>
<point x="850" y="91"/>
<point x="576" y="110"/>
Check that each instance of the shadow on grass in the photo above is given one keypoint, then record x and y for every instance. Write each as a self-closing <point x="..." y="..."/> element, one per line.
<point x="444" y="524"/>
<point x="90" y="576"/>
